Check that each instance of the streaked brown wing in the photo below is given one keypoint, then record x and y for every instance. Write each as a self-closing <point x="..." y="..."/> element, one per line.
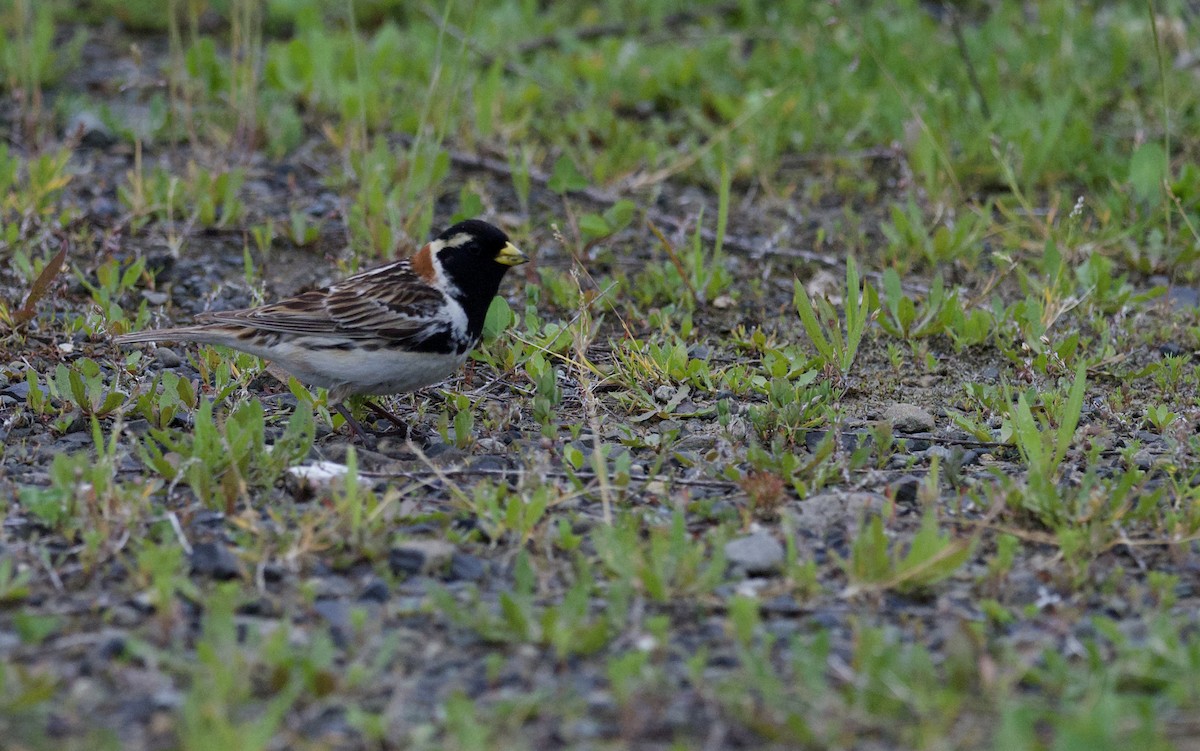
<point x="390" y="302"/>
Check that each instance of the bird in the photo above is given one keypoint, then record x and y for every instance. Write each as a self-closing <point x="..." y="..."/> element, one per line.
<point x="391" y="329"/>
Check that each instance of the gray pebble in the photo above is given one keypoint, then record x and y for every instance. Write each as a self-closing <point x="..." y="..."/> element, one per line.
<point x="466" y="567"/>
<point x="168" y="357"/>
<point x="420" y="556"/>
<point x="827" y="512"/>
<point x="756" y="554"/>
<point x="215" y="560"/>
<point x="908" y="418"/>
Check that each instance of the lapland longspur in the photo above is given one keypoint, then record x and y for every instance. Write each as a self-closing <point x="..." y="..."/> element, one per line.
<point x="389" y="330"/>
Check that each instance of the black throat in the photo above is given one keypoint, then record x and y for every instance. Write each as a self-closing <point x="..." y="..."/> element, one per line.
<point x="477" y="283"/>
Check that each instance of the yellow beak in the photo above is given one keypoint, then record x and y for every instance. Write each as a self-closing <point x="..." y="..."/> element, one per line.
<point x="510" y="256"/>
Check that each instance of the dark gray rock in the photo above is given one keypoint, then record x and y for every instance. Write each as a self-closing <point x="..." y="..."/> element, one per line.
<point x="337" y="614"/>
<point x="375" y="591"/>
<point x="466" y="567"/>
<point x="90" y="130"/>
<point x="904" y="489"/>
<point x="215" y="560"/>
<point x="414" y="557"/>
<point x="18" y="390"/>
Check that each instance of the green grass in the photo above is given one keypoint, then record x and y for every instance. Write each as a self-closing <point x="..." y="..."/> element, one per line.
<point x="756" y="226"/>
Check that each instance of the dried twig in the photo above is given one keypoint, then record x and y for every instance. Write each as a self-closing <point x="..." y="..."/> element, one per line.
<point x="40" y="287"/>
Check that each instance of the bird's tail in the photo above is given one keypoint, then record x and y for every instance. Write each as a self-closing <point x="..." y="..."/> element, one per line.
<point x="179" y="334"/>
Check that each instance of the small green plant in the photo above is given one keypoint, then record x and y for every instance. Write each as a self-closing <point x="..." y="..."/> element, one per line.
<point x="904" y="319"/>
<point x="83" y="493"/>
<point x="14" y="583"/>
<point x="596" y="227"/>
<point x="167" y="397"/>
<point x="87" y="388"/>
<point x="222" y="709"/>
<point x="793" y="407"/>
<point x="209" y="198"/>
<point x="501" y="512"/>
<point x="223" y="461"/>
<point x="300" y="231"/>
<point x="1043" y="445"/>
<point x="931" y="557"/>
<point x="459" y="430"/>
<point x="836" y="348"/>
<point x="667" y="565"/>
<point x="567" y="626"/>
<point x="1160" y="417"/>
<point x="697" y="276"/>
<point x="111" y="286"/>
<point x="33" y="188"/>
<point x="548" y="393"/>
<point x="956" y="239"/>
<point x="642" y="363"/>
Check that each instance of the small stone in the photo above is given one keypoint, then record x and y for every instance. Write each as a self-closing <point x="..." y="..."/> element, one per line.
<point x="908" y="418"/>
<point x="783" y="605"/>
<point x="835" y="512"/>
<point x="756" y="554"/>
<point x="90" y="130"/>
<point x="127" y="615"/>
<point x="337" y="615"/>
<point x="1145" y="459"/>
<point x="414" y="557"/>
<point x="444" y="453"/>
<point x="664" y="393"/>
<point x="489" y="445"/>
<point x="18" y="390"/>
<point x="375" y="591"/>
<point x="210" y="519"/>
<point x="942" y="452"/>
<point x="215" y="560"/>
<point x="814" y="438"/>
<point x="327" y="586"/>
<point x="1184" y="298"/>
<point x="103" y="207"/>
<point x="110" y="649"/>
<point x="466" y="567"/>
<point x="168" y="357"/>
<point x="489" y="463"/>
<point x="904" y="489"/>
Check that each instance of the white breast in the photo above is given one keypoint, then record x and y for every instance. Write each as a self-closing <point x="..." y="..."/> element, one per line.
<point x="346" y="373"/>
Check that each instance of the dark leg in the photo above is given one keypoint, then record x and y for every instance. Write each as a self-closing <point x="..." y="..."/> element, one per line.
<point x="356" y="430"/>
<point x="381" y="412"/>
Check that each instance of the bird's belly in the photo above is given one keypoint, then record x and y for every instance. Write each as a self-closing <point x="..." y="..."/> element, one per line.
<point x="369" y="373"/>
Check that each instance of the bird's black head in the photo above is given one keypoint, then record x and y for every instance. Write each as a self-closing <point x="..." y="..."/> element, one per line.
<point x="474" y="256"/>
